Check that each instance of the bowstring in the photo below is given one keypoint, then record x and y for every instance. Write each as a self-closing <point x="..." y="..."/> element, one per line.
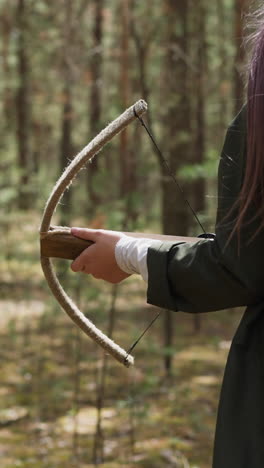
<point x="165" y="163"/>
<point x="180" y="189"/>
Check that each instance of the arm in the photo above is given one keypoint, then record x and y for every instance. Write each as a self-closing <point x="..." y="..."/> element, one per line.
<point x="59" y="242"/>
<point x="212" y="275"/>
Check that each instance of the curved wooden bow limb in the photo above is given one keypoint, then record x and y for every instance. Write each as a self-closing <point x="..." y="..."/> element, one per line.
<point x="61" y="185"/>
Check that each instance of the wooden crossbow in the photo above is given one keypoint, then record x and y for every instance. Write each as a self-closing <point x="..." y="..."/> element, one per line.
<point x="58" y="241"/>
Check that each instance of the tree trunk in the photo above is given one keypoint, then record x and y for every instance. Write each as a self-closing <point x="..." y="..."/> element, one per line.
<point x="125" y="94"/>
<point x="175" y="216"/>
<point x="224" y="72"/>
<point x="66" y="145"/>
<point x="22" y="107"/>
<point x="128" y="173"/>
<point x="8" y="102"/>
<point x="198" y="151"/>
<point x="239" y="87"/>
<point x="198" y="77"/>
<point x="95" y="108"/>
<point x="142" y="34"/>
<point x="142" y="41"/>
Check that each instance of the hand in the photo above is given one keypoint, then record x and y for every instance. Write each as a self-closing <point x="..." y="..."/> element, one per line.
<point x="99" y="259"/>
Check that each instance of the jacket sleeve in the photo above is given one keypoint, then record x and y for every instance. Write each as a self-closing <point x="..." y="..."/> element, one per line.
<point x="220" y="273"/>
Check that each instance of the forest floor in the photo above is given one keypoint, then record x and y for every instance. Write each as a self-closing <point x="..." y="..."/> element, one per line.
<point x="50" y="373"/>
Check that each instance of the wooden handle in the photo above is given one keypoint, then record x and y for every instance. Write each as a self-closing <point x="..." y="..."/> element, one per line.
<point x="62" y="244"/>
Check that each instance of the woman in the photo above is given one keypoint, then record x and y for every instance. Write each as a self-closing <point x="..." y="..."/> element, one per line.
<point x="214" y="274"/>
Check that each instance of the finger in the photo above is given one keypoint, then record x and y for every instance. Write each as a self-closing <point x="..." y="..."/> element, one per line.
<point x="79" y="264"/>
<point x="76" y="266"/>
<point x="83" y="233"/>
<point x="83" y="260"/>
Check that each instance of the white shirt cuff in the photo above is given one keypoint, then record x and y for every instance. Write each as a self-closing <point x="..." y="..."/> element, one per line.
<point x="131" y="254"/>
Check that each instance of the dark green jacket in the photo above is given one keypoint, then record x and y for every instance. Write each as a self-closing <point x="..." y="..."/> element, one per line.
<point x="212" y="275"/>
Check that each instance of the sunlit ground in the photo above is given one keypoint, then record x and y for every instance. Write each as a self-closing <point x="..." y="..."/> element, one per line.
<point x="49" y="374"/>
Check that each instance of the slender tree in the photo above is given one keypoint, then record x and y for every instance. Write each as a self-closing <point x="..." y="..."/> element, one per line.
<point x="142" y="33"/>
<point x="176" y="128"/>
<point x="143" y="38"/>
<point x="125" y="91"/>
<point x="239" y="85"/>
<point x="199" y="147"/>
<point x="198" y="150"/>
<point x="66" y="141"/>
<point x="22" y="105"/>
<point x="95" y="98"/>
<point x="6" y="25"/>
<point x="99" y="440"/>
<point x="128" y="165"/>
<point x="223" y="69"/>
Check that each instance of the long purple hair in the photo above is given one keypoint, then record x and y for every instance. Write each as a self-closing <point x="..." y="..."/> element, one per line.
<point x="252" y="192"/>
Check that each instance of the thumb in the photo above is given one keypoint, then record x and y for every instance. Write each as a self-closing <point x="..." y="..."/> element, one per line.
<point x="84" y="233"/>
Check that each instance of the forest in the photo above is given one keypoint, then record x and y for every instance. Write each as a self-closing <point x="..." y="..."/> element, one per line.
<point x="68" y="68"/>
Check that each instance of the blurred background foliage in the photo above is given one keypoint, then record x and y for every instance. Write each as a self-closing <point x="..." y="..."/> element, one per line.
<point x="67" y="69"/>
